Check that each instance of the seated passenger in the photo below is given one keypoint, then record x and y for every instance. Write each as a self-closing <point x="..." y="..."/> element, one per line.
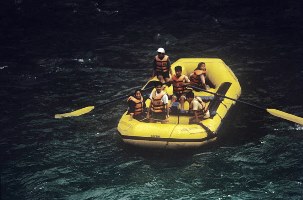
<point x="158" y="109"/>
<point x="197" y="107"/>
<point x="179" y="82"/>
<point x="161" y="66"/>
<point x="136" y="106"/>
<point x="198" y="77"/>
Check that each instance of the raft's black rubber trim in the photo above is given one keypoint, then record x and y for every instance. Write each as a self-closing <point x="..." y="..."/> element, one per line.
<point x="214" y="104"/>
<point x="163" y="139"/>
<point x="210" y="134"/>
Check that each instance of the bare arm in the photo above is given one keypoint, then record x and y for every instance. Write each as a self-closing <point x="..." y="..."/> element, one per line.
<point x="196" y="116"/>
<point x="167" y="110"/>
<point x="169" y="66"/>
<point x="202" y="77"/>
<point x="154" y="68"/>
<point x="165" y="100"/>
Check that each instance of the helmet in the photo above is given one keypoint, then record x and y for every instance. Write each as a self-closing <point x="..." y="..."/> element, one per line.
<point x="161" y="50"/>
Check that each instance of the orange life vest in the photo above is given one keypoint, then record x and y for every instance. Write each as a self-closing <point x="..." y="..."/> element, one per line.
<point x="195" y="77"/>
<point x="161" y="64"/>
<point x="157" y="104"/>
<point x="138" y="106"/>
<point x="177" y="84"/>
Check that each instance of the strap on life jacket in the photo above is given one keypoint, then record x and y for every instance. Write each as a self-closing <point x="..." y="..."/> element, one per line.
<point x="157" y="103"/>
<point x="161" y="64"/>
<point x="177" y="84"/>
<point x="195" y="78"/>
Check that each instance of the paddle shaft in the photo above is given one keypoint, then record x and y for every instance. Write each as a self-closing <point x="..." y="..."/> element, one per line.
<point x="90" y="108"/>
<point x="220" y="95"/>
<point x="274" y="112"/>
<point x="122" y="97"/>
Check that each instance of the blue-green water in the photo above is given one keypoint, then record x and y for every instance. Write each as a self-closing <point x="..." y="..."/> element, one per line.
<point x="61" y="56"/>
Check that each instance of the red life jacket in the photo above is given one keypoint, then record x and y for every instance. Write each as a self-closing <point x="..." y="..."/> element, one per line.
<point x="177" y="84"/>
<point x="161" y="64"/>
<point x="138" y="106"/>
<point x="157" y="104"/>
<point x="195" y="77"/>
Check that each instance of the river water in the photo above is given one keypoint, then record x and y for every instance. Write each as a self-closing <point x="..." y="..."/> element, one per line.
<point x="59" y="56"/>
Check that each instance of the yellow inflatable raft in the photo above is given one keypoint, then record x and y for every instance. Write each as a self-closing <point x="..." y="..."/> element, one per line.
<point x="178" y="133"/>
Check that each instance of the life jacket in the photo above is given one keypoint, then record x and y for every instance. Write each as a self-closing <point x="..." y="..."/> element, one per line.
<point x="157" y="104"/>
<point x="161" y="64"/>
<point x="177" y="84"/>
<point x="195" y="77"/>
<point x="138" y="106"/>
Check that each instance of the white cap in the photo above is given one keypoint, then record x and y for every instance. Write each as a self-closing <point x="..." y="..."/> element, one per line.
<point x="161" y="50"/>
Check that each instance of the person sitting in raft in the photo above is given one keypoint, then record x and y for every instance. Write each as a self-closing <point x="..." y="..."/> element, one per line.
<point x="198" y="77"/>
<point x="197" y="107"/>
<point x="161" y="66"/>
<point x="136" y="106"/>
<point x="179" y="83"/>
<point x="158" y="109"/>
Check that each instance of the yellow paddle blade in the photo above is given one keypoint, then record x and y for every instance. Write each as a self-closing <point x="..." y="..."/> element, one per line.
<point x="75" y="113"/>
<point x="287" y="116"/>
<point x="150" y="82"/>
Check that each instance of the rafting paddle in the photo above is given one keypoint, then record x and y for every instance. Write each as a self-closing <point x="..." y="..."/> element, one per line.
<point x="274" y="112"/>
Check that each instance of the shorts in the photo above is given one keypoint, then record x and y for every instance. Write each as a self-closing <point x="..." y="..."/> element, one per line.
<point x="204" y="115"/>
<point x="139" y="116"/>
<point x="158" y="116"/>
<point x="178" y="95"/>
<point x="164" y="74"/>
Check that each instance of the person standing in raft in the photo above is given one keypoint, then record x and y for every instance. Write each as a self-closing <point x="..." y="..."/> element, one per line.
<point x="198" y="77"/>
<point x="197" y="107"/>
<point x="136" y="106"/>
<point x="161" y="66"/>
<point x="158" y="109"/>
<point x="179" y="82"/>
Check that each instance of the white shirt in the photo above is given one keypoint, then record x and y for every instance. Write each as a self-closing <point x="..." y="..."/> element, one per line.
<point x="195" y="104"/>
<point x="164" y="99"/>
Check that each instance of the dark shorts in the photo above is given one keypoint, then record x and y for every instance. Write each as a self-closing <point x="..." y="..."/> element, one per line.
<point x="164" y="74"/>
<point x="159" y="116"/>
<point x="178" y="95"/>
<point x="140" y="116"/>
